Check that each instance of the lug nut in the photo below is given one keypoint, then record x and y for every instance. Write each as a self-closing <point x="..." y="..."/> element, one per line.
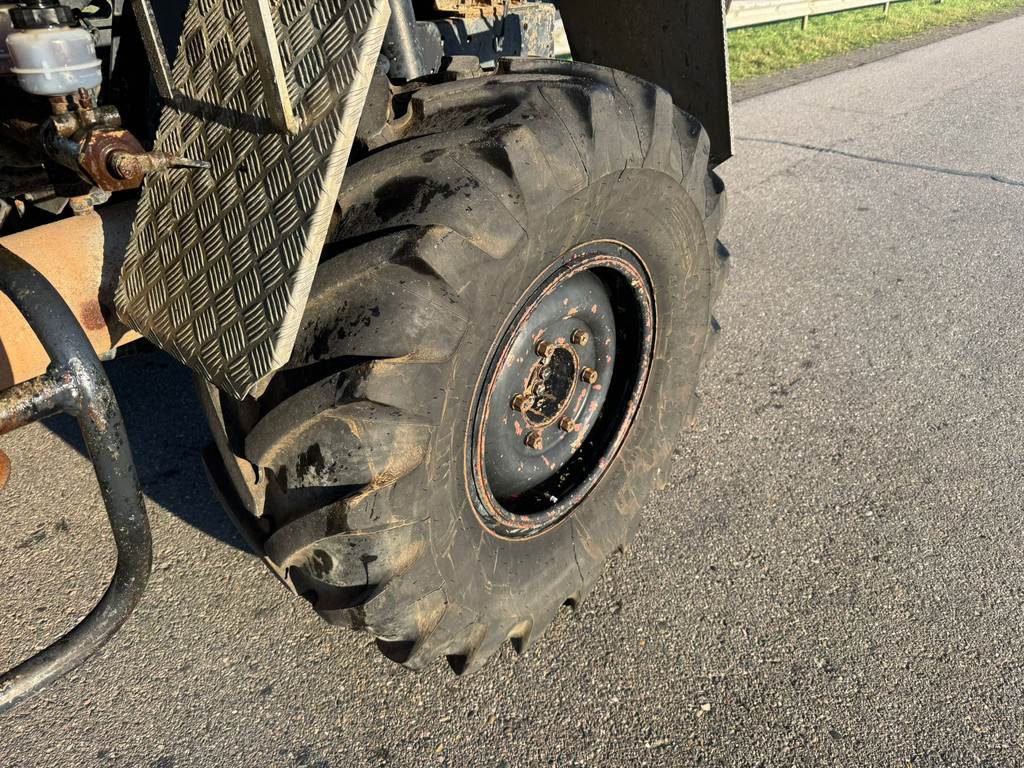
<point x="535" y="441"/>
<point x="567" y="424"/>
<point x="522" y="403"/>
<point x="589" y="375"/>
<point x="580" y="337"/>
<point x="545" y="349"/>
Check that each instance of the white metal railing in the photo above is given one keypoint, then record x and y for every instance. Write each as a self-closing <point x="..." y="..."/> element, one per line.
<point x="747" y="13"/>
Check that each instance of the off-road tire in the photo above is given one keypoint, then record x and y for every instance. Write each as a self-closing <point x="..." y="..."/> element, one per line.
<point x="349" y="472"/>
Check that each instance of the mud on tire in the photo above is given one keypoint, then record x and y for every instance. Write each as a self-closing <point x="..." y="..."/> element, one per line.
<point x="350" y="472"/>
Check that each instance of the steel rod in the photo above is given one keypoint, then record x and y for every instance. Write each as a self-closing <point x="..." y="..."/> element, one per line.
<point x="76" y="383"/>
<point x="154" y="45"/>
<point x="263" y="37"/>
<point x="400" y="43"/>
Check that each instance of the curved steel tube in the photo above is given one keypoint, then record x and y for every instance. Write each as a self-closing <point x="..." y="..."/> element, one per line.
<point x="75" y="383"/>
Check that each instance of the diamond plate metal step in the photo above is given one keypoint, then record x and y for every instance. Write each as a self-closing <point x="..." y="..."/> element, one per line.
<point x="221" y="261"/>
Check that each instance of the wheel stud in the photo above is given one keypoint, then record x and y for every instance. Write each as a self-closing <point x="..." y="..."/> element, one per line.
<point x="567" y="424"/>
<point x="580" y="337"/>
<point x="545" y="349"/>
<point x="522" y="403"/>
<point x="589" y="375"/>
<point x="535" y="441"/>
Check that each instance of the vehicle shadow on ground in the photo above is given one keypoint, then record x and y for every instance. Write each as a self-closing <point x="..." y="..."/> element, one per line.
<point x="167" y="432"/>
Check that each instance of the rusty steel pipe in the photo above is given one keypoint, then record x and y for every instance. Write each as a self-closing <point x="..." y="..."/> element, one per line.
<point x="34" y="400"/>
<point x="81" y="257"/>
<point x="76" y="384"/>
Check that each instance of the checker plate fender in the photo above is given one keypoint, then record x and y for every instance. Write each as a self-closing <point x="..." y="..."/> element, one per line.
<point x="221" y="261"/>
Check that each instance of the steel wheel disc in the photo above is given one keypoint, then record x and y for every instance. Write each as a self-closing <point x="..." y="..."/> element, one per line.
<point x="560" y="390"/>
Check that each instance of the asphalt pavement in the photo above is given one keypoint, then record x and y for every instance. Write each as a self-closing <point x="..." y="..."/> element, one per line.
<point x="834" y="576"/>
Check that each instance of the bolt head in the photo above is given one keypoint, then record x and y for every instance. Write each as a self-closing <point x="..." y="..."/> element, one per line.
<point x="580" y="337"/>
<point x="535" y="441"/>
<point x="124" y="165"/>
<point x="589" y="375"/>
<point x="80" y="204"/>
<point x="545" y="349"/>
<point x="522" y="403"/>
<point x="567" y="425"/>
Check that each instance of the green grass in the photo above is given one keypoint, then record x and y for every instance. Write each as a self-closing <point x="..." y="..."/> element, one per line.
<point x="774" y="47"/>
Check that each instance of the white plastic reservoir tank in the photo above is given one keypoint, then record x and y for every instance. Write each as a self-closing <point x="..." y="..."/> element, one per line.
<point x="54" y="61"/>
<point x="6" y="27"/>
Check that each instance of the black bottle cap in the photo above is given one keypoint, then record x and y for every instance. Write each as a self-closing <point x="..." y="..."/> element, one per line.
<point x="42" y="14"/>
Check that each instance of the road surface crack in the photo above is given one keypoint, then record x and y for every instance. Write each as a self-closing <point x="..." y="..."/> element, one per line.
<point x="983" y="175"/>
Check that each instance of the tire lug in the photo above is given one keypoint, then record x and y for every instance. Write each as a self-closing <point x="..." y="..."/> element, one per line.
<point x="580" y="337"/>
<point x="522" y="403"/>
<point x="545" y="349"/>
<point x="567" y="424"/>
<point x="535" y="440"/>
<point x="589" y="375"/>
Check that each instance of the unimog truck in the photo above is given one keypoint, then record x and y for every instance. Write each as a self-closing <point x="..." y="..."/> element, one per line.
<point x="445" y="296"/>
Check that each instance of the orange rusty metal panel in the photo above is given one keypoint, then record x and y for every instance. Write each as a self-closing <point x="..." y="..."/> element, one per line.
<point x="469" y="8"/>
<point x="81" y="256"/>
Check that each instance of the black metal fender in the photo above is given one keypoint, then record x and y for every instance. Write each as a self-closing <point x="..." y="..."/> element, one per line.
<point x="679" y="44"/>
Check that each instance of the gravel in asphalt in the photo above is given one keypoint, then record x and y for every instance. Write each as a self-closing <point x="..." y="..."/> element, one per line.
<point x="833" y="577"/>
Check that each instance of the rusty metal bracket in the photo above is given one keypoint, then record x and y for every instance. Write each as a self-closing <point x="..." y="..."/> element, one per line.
<point x="76" y="384"/>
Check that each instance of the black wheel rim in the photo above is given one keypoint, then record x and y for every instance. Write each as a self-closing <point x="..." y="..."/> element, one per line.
<point x="561" y="389"/>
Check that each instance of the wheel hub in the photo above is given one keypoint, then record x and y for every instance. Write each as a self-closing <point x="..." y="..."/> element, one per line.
<point x="561" y="389"/>
<point x="550" y="386"/>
